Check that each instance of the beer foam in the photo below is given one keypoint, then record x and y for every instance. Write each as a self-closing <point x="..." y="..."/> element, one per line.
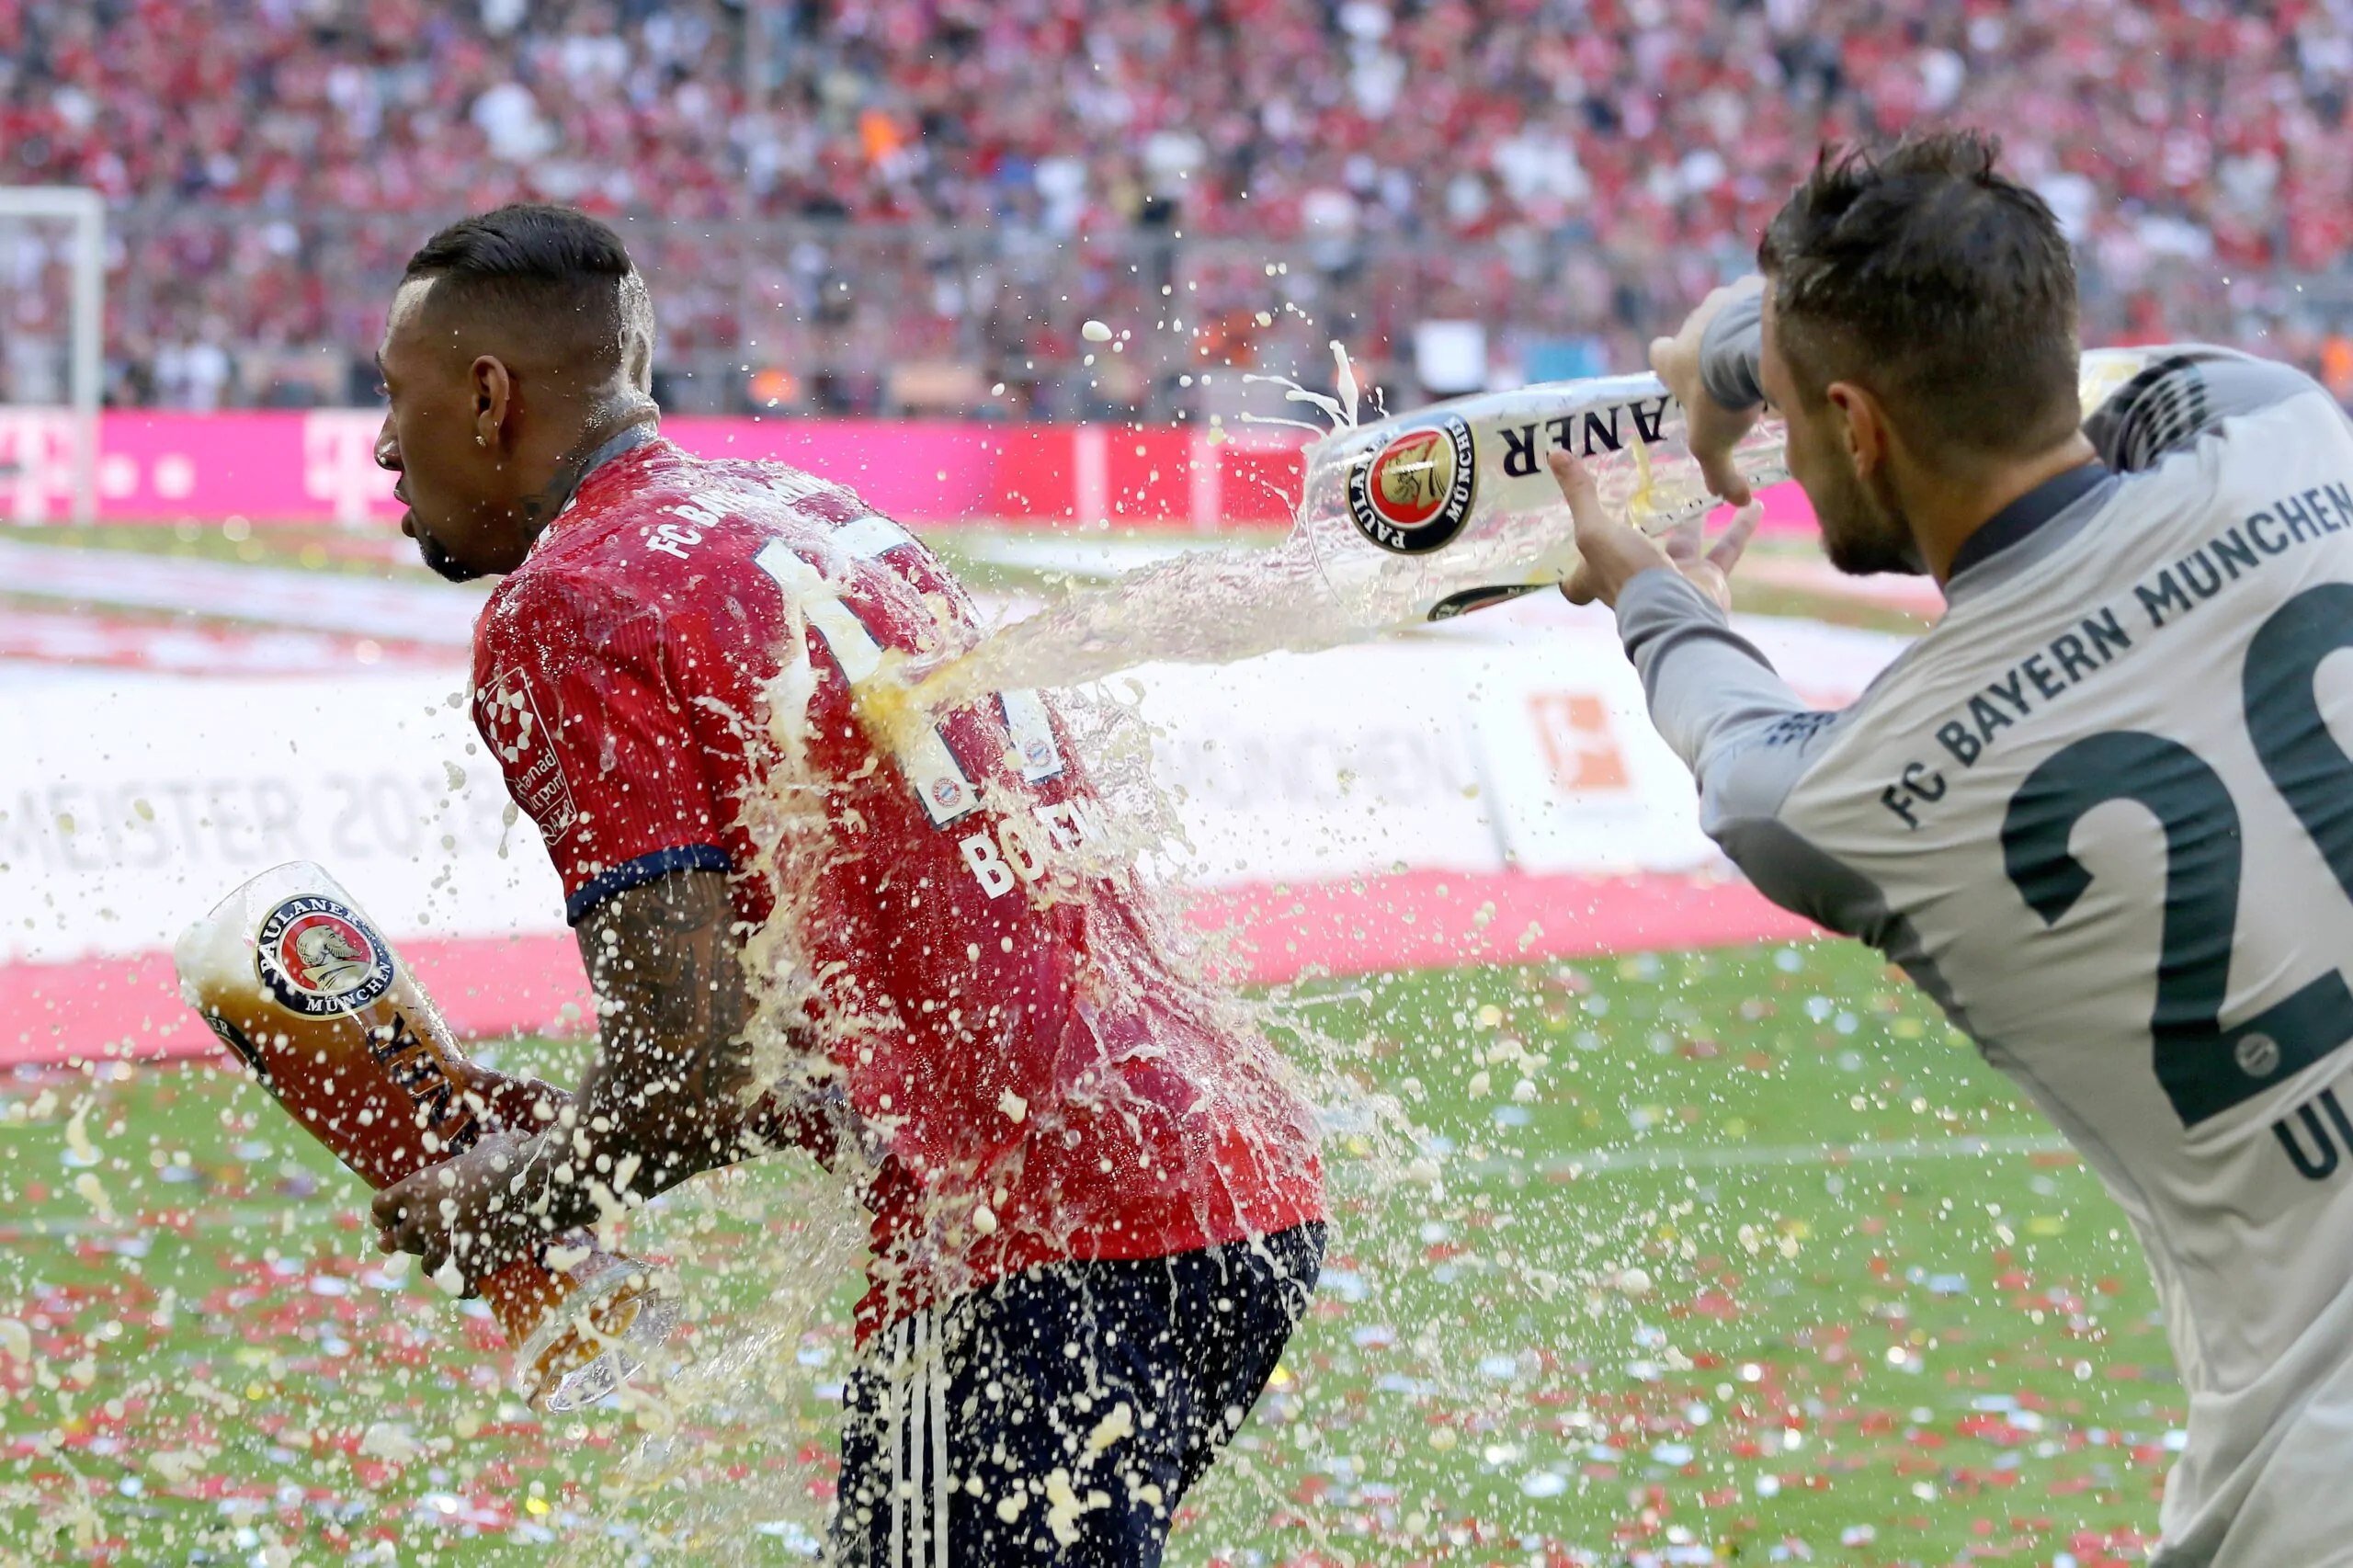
<point x="1346" y="572"/>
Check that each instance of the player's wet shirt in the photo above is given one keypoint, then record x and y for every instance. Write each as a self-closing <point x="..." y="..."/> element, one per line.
<point x="2102" y="815"/>
<point x="1041" y="1080"/>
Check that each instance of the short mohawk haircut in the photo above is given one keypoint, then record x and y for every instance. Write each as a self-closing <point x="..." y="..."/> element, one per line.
<point x="554" y="270"/>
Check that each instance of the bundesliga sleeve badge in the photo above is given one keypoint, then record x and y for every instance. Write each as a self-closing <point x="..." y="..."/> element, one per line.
<point x="513" y="730"/>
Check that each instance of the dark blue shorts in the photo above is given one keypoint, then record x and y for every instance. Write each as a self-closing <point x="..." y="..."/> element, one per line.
<point x="1059" y="1415"/>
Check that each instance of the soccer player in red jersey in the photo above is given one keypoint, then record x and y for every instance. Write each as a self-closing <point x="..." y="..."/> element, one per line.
<point x="1097" y="1208"/>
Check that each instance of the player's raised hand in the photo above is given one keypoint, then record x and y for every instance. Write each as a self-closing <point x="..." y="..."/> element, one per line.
<point x="1614" y="551"/>
<point x="1714" y="429"/>
<point x="1710" y="565"/>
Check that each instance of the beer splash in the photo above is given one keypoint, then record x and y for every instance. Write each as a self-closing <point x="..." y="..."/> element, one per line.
<point x="764" y="1256"/>
<point x="760" y="1375"/>
<point x="1359" y="560"/>
<point x="1150" y="614"/>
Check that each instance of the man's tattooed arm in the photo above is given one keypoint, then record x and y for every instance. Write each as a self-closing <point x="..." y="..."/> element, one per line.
<point x="673" y="1065"/>
<point x="664" y="1100"/>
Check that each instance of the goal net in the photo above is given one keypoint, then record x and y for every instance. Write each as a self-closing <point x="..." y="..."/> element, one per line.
<point x="52" y="281"/>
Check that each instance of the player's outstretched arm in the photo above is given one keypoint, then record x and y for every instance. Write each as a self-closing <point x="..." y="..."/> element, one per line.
<point x="1612" y="552"/>
<point x="1715" y="699"/>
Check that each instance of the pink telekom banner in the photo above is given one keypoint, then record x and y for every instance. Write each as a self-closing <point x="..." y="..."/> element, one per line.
<point x="320" y="467"/>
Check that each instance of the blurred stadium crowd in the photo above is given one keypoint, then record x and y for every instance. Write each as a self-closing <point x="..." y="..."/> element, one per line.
<point x="905" y="205"/>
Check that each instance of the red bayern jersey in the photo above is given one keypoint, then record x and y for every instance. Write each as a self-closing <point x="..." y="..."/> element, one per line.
<point x="1043" y="1081"/>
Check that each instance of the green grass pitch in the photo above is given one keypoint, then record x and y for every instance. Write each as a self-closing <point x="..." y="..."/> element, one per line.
<point x="1701" y="1257"/>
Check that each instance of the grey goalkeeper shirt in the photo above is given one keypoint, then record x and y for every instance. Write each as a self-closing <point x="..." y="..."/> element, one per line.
<point x="2103" y="815"/>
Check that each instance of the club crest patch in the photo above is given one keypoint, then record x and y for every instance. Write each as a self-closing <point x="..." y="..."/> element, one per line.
<point x="320" y="958"/>
<point x="1414" y="495"/>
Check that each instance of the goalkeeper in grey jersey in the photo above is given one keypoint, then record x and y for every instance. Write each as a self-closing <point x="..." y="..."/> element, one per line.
<point x="2103" y="811"/>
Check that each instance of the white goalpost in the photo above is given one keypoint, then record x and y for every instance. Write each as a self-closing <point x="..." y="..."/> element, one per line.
<point x="51" y="382"/>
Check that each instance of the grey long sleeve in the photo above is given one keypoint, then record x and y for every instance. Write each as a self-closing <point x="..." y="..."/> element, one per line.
<point x="1716" y="699"/>
<point x="1730" y="351"/>
<point x="1748" y="740"/>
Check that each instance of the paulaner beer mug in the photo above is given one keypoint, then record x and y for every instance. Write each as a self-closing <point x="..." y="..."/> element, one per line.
<point x="1453" y="507"/>
<point x="293" y="978"/>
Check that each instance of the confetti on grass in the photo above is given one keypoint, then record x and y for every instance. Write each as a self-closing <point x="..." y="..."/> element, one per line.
<point x="1845" y="1349"/>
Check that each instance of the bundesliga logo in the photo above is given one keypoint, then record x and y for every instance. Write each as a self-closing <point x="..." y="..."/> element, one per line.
<point x="1414" y="495"/>
<point x="319" y="957"/>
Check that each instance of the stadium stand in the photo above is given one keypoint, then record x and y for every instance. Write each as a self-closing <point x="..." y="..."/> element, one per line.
<point x="899" y="206"/>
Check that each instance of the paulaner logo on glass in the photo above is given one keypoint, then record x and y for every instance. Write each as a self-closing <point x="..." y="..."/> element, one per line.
<point x="1414" y="495"/>
<point x="319" y="957"/>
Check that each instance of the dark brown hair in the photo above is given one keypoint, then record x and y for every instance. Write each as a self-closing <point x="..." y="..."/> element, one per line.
<point x="1940" y="284"/>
